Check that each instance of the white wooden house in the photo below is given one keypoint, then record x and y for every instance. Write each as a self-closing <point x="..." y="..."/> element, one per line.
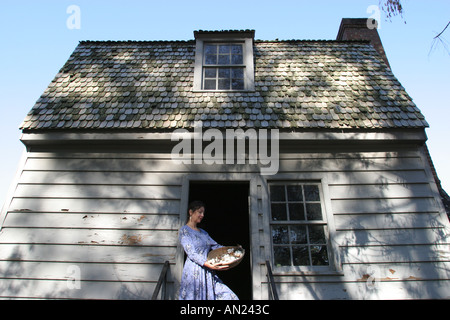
<point x="350" y="211"/>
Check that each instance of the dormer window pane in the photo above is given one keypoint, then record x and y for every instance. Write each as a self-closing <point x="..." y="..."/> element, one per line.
<point x="224" y="49"/>
<point x="236" y="49"/>
<point x="211" y="59"/>
<point x="237" y="59"/>
<point x="237" y="73"/>
<point x="224" y="84"/>
<point x="210" y="49"/>
<point x="210" y="73"/>
<point x="210" y="84"/>
<point x="224" y="73"/>
<point x="224" y="59"/>
<point x="237" y="84"/>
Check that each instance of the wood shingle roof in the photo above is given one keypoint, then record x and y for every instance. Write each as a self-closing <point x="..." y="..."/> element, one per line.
<point x="299" y="85"/>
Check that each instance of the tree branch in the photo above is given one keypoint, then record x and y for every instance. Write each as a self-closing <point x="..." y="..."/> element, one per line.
<point x="442" y="31"/>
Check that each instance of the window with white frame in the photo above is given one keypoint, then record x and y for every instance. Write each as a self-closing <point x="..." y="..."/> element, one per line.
<point x="224" y="61"/>
<point x="223" y="66"/>
<point x="299" y="229"/>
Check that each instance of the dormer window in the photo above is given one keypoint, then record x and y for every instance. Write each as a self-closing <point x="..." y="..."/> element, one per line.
<point x="224" y="61"/>
<point x="223" y="67"/>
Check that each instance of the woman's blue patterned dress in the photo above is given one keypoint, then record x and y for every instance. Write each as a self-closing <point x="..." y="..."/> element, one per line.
<point x="197" y="281"/>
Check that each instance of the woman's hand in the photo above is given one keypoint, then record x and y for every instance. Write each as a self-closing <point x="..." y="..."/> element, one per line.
<point x="216" y="266"/>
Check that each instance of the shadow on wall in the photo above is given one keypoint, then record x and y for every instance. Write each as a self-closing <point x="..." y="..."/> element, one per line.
<point x="87" y="227"/>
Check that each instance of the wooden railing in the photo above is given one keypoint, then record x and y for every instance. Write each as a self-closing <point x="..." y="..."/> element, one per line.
<point x="273" y="293"/>
<point x="162" y="283"/>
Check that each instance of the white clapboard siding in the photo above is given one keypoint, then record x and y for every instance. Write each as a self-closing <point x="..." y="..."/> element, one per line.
<point x="89" y="271"/>
<point x="137" y="281"/>
<point x="122" y="205"/>
<point x="387" y="223"/>
<point x="390" y="205"/>
<point x="104" y="177"/>
<point x="407" y="271"/>
<point x="115" y="216"/>
<point x="87" y="253"/>
<point x="382" y="177"/>
<point x="387" y="237"/>
<point x="396" y="253"/>
<point x="99" y="191"/>
<point x="381" y="191"/>
<point x="92" y="221"/>
<point x="63" y="289"/>
<point x="100" y="214"/>
<point x="150" y="238"/>
<point x="158" y="165"/>
<point x="361" y="290"/>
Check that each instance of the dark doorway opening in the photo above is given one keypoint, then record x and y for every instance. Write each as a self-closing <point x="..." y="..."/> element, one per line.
<point x="227" y="222"/>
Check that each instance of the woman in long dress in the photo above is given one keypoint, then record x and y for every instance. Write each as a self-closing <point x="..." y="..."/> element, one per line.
<point x="199" y="280"/>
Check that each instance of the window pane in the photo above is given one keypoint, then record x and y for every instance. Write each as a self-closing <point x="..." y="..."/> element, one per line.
<point x="296" y="211"/>
<point x="301" y="256"/>
<point x="210" y="59"/>
<point x="210" y="84"/>
<point x="280" y="235"/>
<point x="236" y="49"/>
<point x="210" y="72"/>
<point x="237" y="73"/>
<point x="312" y="193"/>
<point x="224" y="59"/>
<point x="282" y="256"/>
<point x="237" y="84"/>
<point x="298" y="234"/>
<point x="277" y="193"/>
<point x="294" y="193"/>
<point x="313" y="211"/>
<point x="224" y="73"/>
<point x="237" y="59"/>
<point x="210" y="49"/>
<point x="224" y="48"/>
<point x="224" y="84"/>
<point x="317" y="235"/>
<point x="319" y="256"/>
<point x="278" y="211"/>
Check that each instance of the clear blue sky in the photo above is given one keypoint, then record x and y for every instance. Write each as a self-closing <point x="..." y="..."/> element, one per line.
<point x="36" y="42"/>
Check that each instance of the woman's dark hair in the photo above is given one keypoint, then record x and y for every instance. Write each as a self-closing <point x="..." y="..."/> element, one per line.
<point x="194" y="205"/>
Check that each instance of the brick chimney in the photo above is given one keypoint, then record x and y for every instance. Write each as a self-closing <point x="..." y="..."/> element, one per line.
<point x="362" y="29"/>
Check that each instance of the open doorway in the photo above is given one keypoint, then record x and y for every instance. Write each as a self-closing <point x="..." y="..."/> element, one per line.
<point x="227" y="222"/>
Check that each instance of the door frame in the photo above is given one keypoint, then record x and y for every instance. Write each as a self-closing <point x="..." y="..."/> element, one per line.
<point x="249" y="178"/>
